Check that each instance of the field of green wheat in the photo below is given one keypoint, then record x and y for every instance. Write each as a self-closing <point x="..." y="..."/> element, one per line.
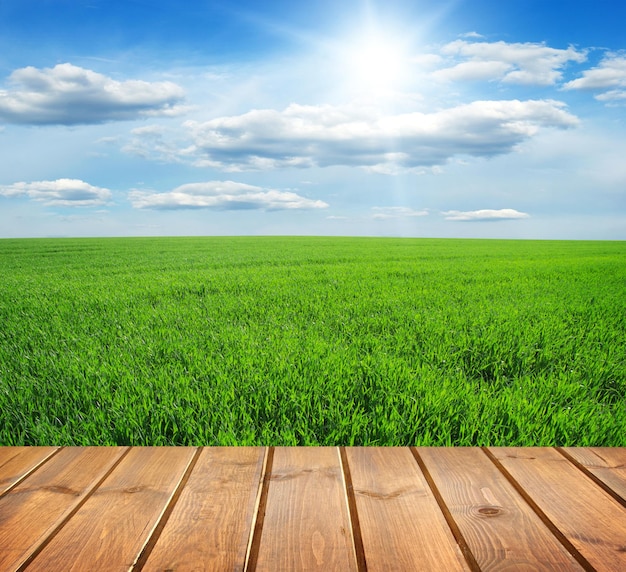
<point x="312" y="341"/>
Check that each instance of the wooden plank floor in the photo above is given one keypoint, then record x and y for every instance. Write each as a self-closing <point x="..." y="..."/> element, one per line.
<point x="281" y="509"/>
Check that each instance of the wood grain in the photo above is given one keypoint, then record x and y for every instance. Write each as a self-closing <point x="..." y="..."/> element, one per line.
<point x="111" y="528"/>
<point x="210" y="526"/>
<point x="500" y="528"/>
<point x="17" y="462"/>
<point x="590" y="519"/>
<point x="607" y="464"/>
<point x="440" y="509"/>
<point x="35" y="508"/>
<point x="401" y="525"/>
<point x="306" y="525"/>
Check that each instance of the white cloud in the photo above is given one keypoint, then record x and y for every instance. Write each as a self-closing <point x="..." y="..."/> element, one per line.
<point x="353" y="135"/>
<point x="484" y="215"/>
<point x="521" y="63"/>
<point x="71" y="95"/>
<point x="473" y="34"/>
<point x="62" y="192"/>
<point x="473" y="71"/>
<point x="149" y="131"/>
<point x="426" y="61"/>
<point x="610" y="73"/>
<point x="612" y="95"/>
<point x="385" y="213"/>
<point x="222" y="195"/>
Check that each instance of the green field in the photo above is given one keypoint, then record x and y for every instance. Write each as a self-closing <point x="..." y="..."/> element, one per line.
<point x="307" y="341"/>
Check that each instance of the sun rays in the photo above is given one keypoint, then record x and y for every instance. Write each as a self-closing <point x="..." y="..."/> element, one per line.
<point x="376" y="61"/>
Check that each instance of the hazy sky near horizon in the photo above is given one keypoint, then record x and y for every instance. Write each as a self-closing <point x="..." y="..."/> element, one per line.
<point x="434" y="118"/>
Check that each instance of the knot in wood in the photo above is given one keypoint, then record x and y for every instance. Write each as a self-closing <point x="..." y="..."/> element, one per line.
<point x="490" y="510"/>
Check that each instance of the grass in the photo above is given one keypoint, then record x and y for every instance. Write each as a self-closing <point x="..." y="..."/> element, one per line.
<point x="312" y="341"/>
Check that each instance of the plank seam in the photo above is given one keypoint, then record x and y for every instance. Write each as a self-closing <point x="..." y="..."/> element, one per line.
<point x="254" y="543"/>
<point x="597" y="480"/>
<point x="539" y="512"/>
<point x="150" y="543"/>
<point x="71" y="514"/>
<point x="32" y="470"/>
<point x="357" y="536"/>
<point x="443" y="507"/>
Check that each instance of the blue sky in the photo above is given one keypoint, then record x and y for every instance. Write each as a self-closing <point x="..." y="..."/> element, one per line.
<point x="460" y="118"/>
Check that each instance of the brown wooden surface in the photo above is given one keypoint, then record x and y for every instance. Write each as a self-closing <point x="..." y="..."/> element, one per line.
<point x="306" y="524"/>
<point x="31" y="512"/>
<point x="606" y="464"/>
<point x="17" y="462"/>
<point x="255" y="508"/>
<point x="500" y="529"/>
<point x="588" y="517"/>
<point x="211" y="525"/>
<point x="112" y="526"/>
<point x="397" y="514"/>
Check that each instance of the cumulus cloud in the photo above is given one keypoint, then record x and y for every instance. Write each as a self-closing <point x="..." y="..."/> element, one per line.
<point x="222" y="195"/>
<point x="521" y="63"/>
<point x="385" y="213"/>
<point x="484" y="215"/>
<point x="62" y="192"/>
<point x="473" y="71"/>
<point x="612" y="95"/>
<point x="71" y="95"/>
<point x="610" y="73"/>
<point x="303" y="136"/>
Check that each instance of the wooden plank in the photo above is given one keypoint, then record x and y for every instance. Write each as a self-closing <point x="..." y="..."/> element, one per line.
<point x="306" y="524"/>
<point x="110" y="508"/>
<point x="499" y="527"/>
<point x="401" y="525"/>
<point x="111" y="528"/>
<point x="17" y="462"/>
<point x="590" y="519"/>
<point x="32" y="510"/>
<point x="211" y="524"/>
<point x="607" y="464"/>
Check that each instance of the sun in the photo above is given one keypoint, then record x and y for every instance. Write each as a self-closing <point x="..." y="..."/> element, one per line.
<point x="375" y="61"/>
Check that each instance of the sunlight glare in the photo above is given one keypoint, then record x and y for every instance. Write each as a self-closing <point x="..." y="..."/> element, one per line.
<point x="376" y="62"/>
